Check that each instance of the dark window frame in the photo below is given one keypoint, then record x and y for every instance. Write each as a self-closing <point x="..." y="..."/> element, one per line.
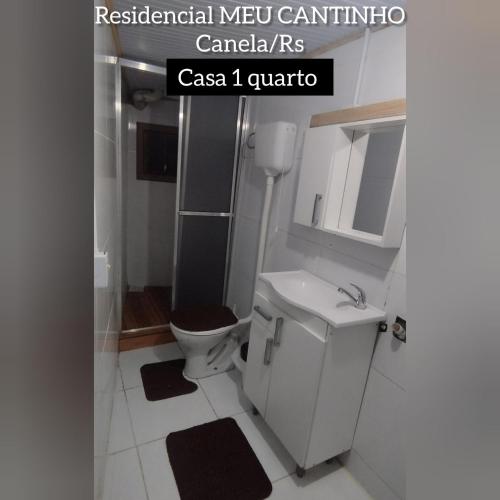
<point x="141" y="172"/>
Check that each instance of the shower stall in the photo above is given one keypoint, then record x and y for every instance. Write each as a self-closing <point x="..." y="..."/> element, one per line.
<point x="211" y="132"/>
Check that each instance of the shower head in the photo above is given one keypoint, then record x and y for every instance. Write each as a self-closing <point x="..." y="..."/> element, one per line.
<point x="142" y="97"/>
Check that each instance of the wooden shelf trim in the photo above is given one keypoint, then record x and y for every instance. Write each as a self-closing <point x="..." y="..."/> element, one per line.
<point x="383" y="109"/>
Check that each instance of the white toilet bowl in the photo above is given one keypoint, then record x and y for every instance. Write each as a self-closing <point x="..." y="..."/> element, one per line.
<point x="204" y="336"/>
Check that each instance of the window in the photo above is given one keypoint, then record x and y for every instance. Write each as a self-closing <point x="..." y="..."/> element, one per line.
<point x="157" y="152"/>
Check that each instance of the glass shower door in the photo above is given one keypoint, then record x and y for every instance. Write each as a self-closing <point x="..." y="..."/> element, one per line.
<point x="208" y="162"/>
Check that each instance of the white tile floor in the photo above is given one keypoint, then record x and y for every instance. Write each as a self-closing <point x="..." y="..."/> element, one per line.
<point x="139" y="468"/>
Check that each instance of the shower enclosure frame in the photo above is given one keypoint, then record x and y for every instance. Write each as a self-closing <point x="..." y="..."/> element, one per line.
<point x="240" y="138"/>
<point x="242" y="130"/>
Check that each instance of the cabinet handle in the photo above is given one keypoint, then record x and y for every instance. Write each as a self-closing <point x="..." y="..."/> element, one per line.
<point x="265" y="315"/>
<point x="267" y="352"/>
<point x="315" y="218"/>
<point x="277" y="331"/>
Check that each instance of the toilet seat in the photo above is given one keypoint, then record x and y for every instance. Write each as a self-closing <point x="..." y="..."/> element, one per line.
<point x="204" y="333"/>
<point x="203" y="320"/>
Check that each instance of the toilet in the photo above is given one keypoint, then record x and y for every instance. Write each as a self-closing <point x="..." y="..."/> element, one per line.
<point x="204" y="336"/>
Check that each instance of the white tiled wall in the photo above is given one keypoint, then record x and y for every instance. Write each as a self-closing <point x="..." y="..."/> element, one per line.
<point x="150" y="207"/>
<point x="376" y="459"/>
<point x="106" y="321"/>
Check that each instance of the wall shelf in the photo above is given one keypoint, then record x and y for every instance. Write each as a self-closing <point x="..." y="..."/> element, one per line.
<point x="377" y="110"/>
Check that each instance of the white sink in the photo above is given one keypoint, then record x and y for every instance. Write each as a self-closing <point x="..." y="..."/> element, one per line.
<point x="310" y="293"/>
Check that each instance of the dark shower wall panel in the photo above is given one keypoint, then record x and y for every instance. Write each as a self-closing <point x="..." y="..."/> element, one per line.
<point x="208" y="170"/>
<point x="202" y="261"/>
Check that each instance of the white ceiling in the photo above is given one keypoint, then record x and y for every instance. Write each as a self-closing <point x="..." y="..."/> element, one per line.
<point x="156" y="43"/>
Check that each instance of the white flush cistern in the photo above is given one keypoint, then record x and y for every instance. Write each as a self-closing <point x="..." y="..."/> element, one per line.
<point x="274" y="147"/>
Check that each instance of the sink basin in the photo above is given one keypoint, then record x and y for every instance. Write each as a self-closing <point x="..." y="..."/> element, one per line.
<point x="310" y="293"/>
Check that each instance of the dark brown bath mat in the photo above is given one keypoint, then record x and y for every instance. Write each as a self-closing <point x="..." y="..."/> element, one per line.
<point x="214" y="461"/>
<point x="165" y="380"/>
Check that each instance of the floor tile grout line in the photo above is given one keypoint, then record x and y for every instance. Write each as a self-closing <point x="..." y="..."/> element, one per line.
<point x="162" y="438"/>
<point x="141" y="468"/>
<point x="236" y="414"/>
<point x="374" y="472"/>
<point x="134" y="387"/>
<point x="358" y="482"/>
<point x="200" y="385"/>
<point x="209" y="402"/>
<point x="148" y="362"/>
<point x="280" y="478"/>
<point x="119" y="370"/>
<point x="122" y="450"/>
<point x="289" y="474"/>
<point x="129" y="413"/>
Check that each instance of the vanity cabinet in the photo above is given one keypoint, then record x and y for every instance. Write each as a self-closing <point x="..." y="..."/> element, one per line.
<point x="258" y="369"/>
<point x="296" y="364"/>
<point x="305" y="377"/>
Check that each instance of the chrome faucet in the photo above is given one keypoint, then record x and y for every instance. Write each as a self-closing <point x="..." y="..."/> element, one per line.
<point x="360" y="300"/>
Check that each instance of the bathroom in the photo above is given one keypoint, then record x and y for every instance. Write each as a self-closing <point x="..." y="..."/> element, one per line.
<point x="139" y="228"/>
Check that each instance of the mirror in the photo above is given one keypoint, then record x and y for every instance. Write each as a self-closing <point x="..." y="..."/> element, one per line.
<point x="377" y="179"/>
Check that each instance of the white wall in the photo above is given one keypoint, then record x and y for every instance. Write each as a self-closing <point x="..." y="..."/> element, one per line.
<point x="376" y="458"/>
<point x="106" y="221"/>
<point x="150" y="207"/>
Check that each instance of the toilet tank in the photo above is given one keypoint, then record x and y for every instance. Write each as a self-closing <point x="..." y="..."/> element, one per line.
<point x="274" y="147"/>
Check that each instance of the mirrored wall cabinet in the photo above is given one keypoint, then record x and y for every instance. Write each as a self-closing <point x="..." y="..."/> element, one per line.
<point x="352" y="177"/>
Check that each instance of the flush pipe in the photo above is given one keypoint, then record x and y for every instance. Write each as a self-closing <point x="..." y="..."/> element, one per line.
<point x="264" y="223"/>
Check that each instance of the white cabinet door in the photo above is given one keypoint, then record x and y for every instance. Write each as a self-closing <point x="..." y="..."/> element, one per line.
<point x="257" y="371"/>
<point x="296" y="369"/>
<point x="318" y="153"/>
